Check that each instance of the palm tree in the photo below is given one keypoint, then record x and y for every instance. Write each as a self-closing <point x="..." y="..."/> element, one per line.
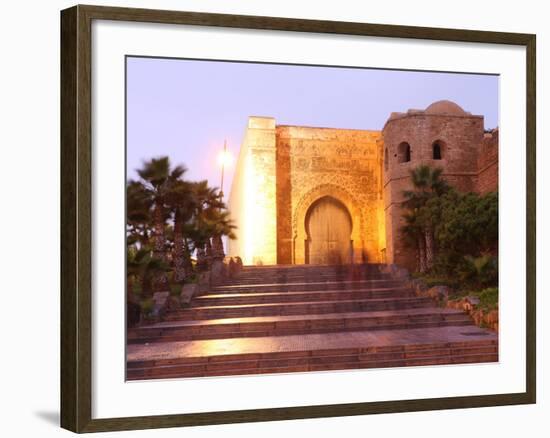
<point x="156" y="178"/>
<point x="134" y="273"/>
<point x="135" y="259"/>
<point x="181" y="201"/>
<point x="169" y="218"/>
<point x="188" y="233"/>
<point x="141" y="265"/>
<point x="138" y="214"/>
<point x="415" y="237"/>
<point x="222" y="226"/>
<point x="207" y="202"/>
<point x="427" y="184"/>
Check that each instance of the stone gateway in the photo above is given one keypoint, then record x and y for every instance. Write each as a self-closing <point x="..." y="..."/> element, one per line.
<point x="309" y="195"/>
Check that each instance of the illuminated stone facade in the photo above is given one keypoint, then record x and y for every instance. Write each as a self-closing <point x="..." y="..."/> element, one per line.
<point x="288" y="177"/>
<point x="253" y="197"/>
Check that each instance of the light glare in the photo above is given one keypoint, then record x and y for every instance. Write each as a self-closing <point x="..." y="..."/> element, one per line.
<point x="225" y="158"/>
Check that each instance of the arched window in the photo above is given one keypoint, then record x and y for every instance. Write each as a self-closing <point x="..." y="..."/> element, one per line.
<point x="437" y="150"/>
<point x="404" y="152"/>
<point x="386" y="158"/>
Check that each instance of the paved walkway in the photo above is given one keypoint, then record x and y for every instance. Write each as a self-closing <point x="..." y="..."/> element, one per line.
<point x="326" y="341"/>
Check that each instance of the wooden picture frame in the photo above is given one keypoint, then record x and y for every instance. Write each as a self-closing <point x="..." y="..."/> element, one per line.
<point x="76" y="217"/>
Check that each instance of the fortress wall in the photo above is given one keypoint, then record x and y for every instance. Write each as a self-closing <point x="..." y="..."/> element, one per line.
<point x="382" y="243"/>
<point x="285" y="235"/>
<point x="283" y="170"/>
<point x="460" y="137"/>
<point x="487" y="179"/>
<point x="235" y="204"/>
<point x="252" y="202"/>
<point x="316" y="162"/>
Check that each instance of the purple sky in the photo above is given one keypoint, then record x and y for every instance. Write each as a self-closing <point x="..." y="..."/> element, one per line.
<point x="185" y="109"/>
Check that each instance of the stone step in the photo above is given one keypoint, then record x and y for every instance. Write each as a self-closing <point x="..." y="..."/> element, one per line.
<point x="334" y="351"/>
<point x="281" y="279"/>
<point x="322" y="269"/>
<point x="292" y="325"/>
<point x="306" y="286"/>
<point x="219" y="299"/>
<point x="315" y="349"/>
<point x="303" y="365"/>
<point x="367" y="267"/>
<point x="299" y="308"/>
<point x="314" y="271"/>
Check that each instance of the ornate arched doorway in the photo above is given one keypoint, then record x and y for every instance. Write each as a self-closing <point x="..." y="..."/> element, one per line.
<point x="328" y="226"/>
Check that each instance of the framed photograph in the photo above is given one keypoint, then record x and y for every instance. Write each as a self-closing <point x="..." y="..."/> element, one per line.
<point x="268" y="218"/>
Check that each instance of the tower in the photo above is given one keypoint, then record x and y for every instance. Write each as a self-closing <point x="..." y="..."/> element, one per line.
<point x="444" y="136"/>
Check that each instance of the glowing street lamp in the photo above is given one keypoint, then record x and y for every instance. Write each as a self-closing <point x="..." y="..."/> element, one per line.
<point x="224" y="159"/>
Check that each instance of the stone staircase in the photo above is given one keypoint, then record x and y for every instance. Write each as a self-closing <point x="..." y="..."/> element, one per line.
<point x="272" y="319"/>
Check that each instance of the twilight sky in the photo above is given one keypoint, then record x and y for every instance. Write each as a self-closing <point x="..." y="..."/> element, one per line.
<point x="185" y="109"/>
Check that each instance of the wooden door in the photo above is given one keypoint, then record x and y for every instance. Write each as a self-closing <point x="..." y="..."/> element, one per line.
<point x="328" y="226"/>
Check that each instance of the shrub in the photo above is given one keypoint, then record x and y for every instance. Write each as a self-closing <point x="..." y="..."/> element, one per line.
<point x="175" y="290"/>
<point x="147" y="306"/>
<point x="193" y="278"/>
<point x="136" y="288"/>
<point x="488" y="298"/>
<point x="479" y="272"/>
<point x="432" y="281"/>
<point x="455" y="234"/>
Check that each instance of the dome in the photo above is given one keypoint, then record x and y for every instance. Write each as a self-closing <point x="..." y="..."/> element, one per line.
<point x="445" y="107"/>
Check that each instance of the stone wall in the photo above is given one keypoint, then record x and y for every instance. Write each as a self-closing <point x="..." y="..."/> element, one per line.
<point x="341" y="163"/>
<point x="283" y="170"/>
<point x="487" y="180"/>
<point x="458" y="135"/>
<point x="252" y="201"/>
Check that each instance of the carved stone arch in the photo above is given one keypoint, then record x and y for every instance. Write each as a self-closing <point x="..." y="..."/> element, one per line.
<point x="308" y="199"/>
